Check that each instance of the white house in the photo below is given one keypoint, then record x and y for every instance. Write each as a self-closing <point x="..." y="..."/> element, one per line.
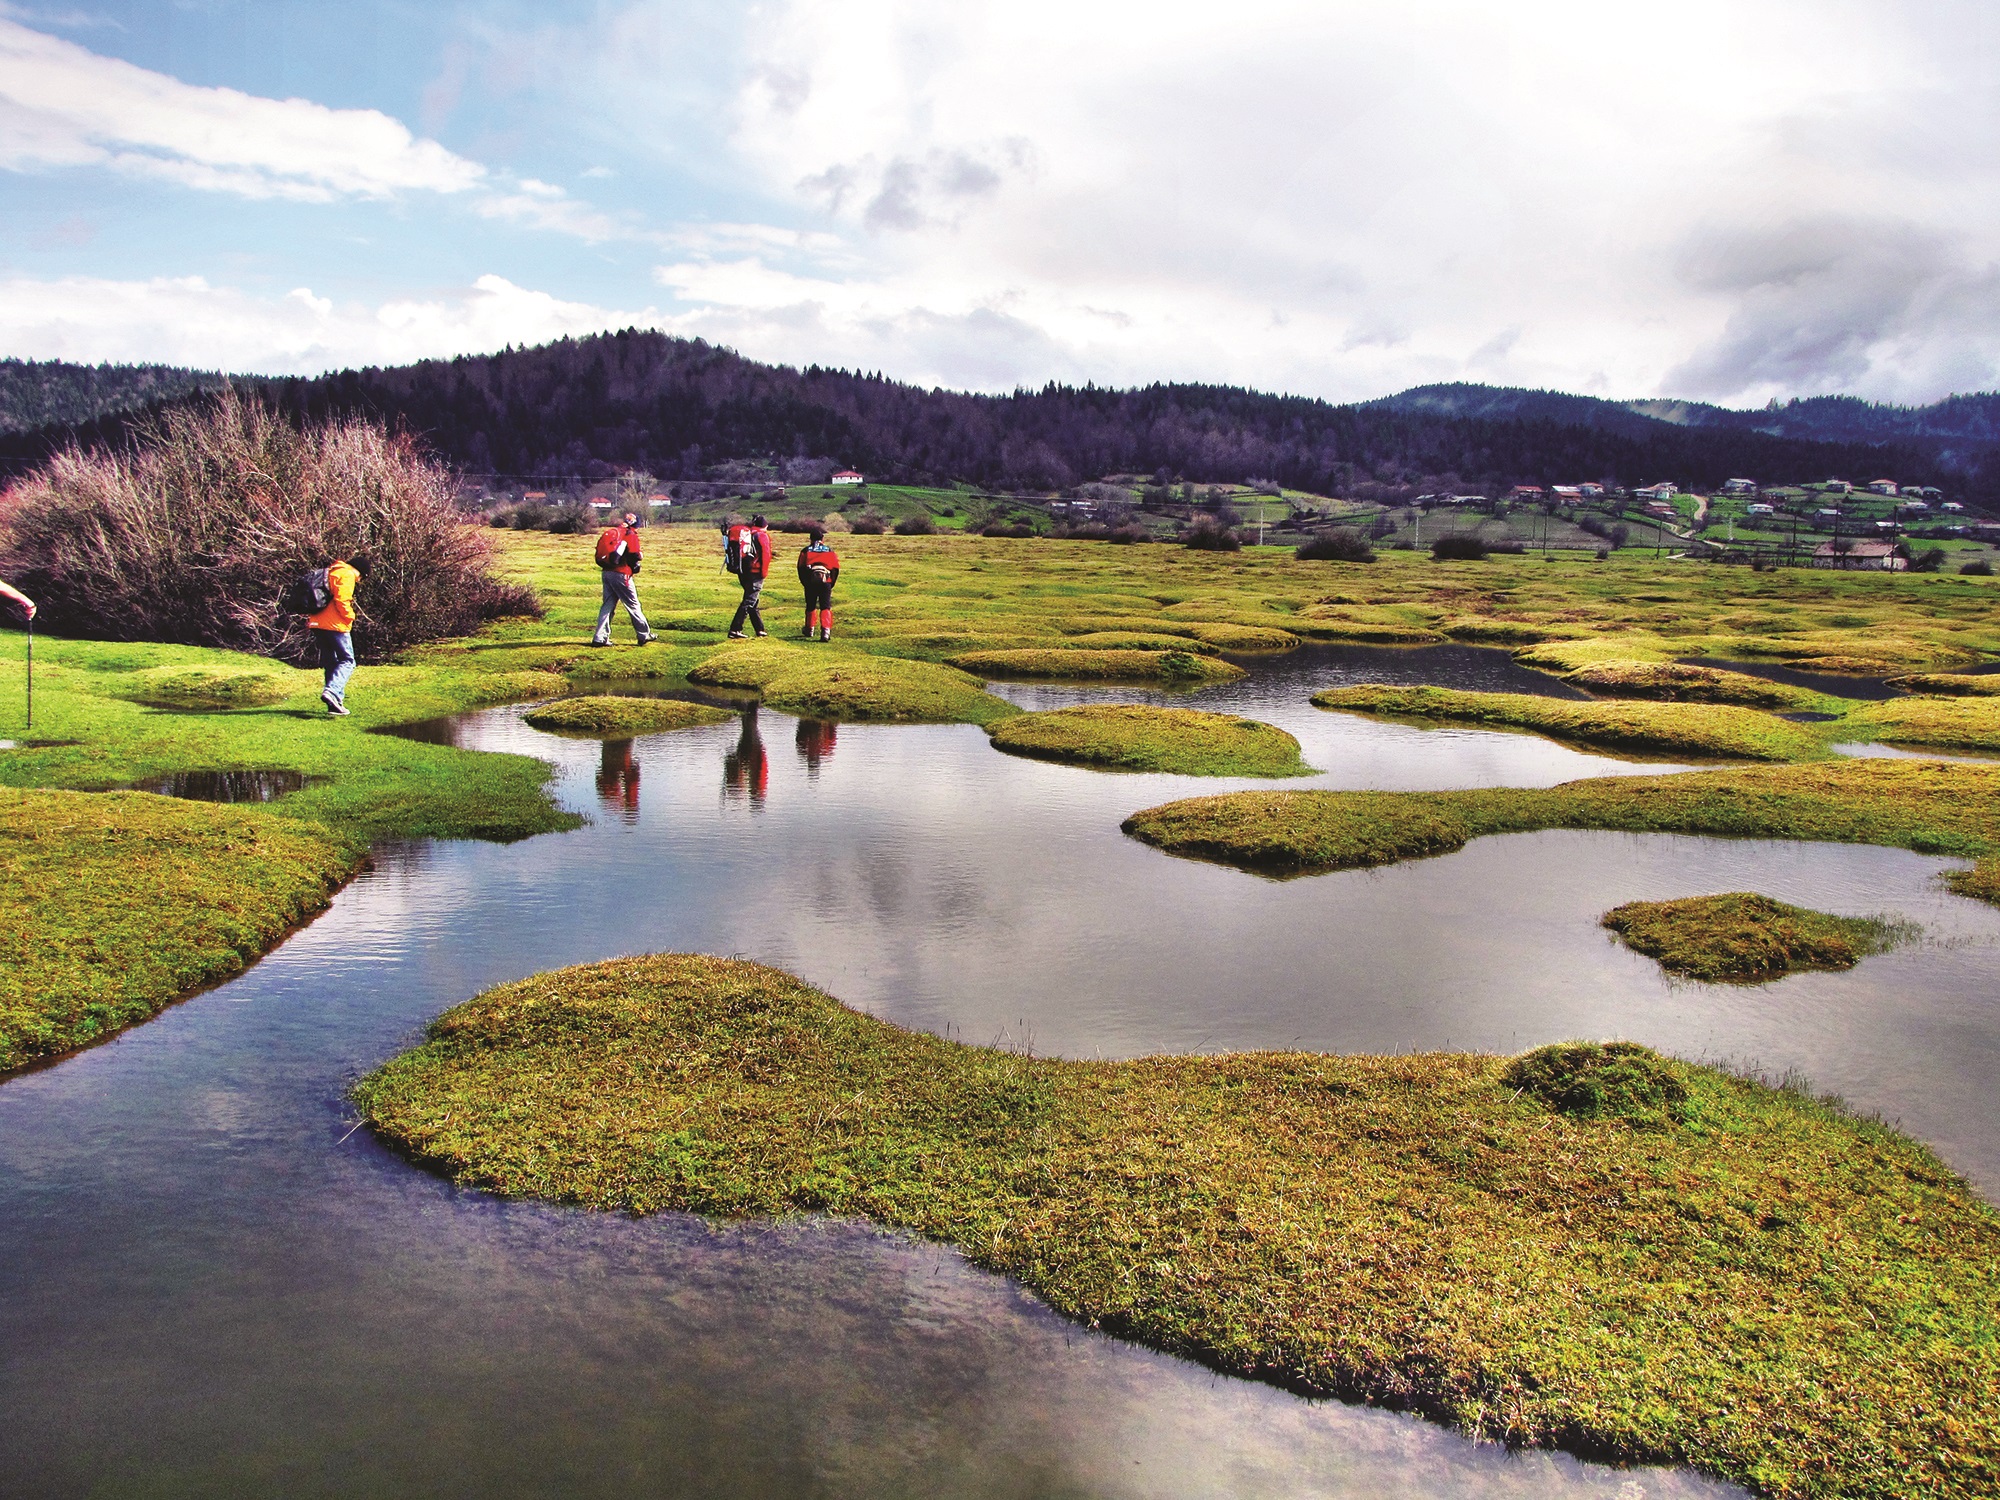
<point x="1591" y="491"/>
<point x="1759" y="508"/>
<point x="1661" y="491"/>
<point x="1568" y="494"/>
<point x="1739" y="487"/>
<point x="848" y="476"/>
<point x="1881" y="486"/>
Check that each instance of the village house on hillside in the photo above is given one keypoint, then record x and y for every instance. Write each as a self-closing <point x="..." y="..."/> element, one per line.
<point x="848" y="476"/>
<point x="1871" y="556"/>
<point x="1739" y="487"/>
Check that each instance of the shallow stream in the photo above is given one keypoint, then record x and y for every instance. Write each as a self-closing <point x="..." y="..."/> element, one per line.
<point x="211" y="1283"/>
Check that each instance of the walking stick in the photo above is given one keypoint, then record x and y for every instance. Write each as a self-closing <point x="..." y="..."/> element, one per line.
<point x="31" y="671"/>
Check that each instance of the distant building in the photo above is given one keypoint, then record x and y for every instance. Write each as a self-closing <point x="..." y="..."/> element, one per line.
<point x="1739" y="487"/>
<point x="848" y="476"/>
<point x="1869" y="556"/>
<point x="1526" y="493"/>
<point x="1827" y="513"/>
<point x="536" y="495"/>
<point x="1661" y="510"/>
<point x="1661" y="491"/>
<point x="1591" y="491"/>
<point x="1837" y="487"/>
<point x="1949" y="504"/>
<point x="659" y="499"/>
<point x="1465" y="499"/>
<point x="1882" y="487"/>
<point x="1568" y="494"/>
<point x="1759" y="508"/>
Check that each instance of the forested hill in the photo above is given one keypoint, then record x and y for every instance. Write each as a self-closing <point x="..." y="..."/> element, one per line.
<point x="677" y="408"/>
<point x="51" y="393"/>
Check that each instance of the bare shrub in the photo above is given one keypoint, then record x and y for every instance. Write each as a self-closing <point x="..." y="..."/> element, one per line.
<point x="192" y="533"/>
<point x="1206" y="535"/>
<point x="869" y="525"/>
<point x="1341" y="544"/>
<point x="918" y="525"/>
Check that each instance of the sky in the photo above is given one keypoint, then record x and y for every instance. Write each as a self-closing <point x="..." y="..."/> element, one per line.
<point x="1732" y="202"/>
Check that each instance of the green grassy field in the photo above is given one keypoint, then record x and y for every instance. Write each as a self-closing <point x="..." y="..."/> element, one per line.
<point x="1589" y="1247"/>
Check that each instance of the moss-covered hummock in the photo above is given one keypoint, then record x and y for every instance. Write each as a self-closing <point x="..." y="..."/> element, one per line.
<point x="1132" y="737"/>
<point x="1744" y="938"/>
<point x="1186" y="667"/>
<point x="1950" y="684"/>
<point x="241" y="682"/>
<point x="1591" y="1247"/>
<point x="1970" y="723"/>
<point x="617" y="718"/>
<point x="1931" y="807"/>
<point x="1675" y="682"/>
<point x="816" y="683"/>
<point x="114" y="904"/>
<point x="1649" y="728"/>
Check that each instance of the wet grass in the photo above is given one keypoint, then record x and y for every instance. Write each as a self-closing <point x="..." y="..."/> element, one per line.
<point x="1673" y="682"/>
<point x="114" y="905"/>
<point x="1951" y="684"/>
<point x="616" y="718"/>
<point x="1591" y="1248"/>
<point x="1180" y="741"/>
<point x="1964" y="723"/>
<point x="1928" y="806"/>
<point x="1655" y="728"/>
<point x="1745" y="938"/>
<point x="815" y="683"/>
<point x="1183" y="667"/>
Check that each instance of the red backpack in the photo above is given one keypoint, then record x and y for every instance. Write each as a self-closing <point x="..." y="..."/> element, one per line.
<point x="608" y="542"/>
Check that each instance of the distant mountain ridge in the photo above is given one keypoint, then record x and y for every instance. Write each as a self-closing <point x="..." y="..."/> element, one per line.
<point x="1954" y="431"/>
<point x="47" y="393"/>
<point x="681" y="409"/>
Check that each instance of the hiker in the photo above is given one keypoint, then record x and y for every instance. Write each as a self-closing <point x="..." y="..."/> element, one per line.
<point x="618" y="557"/>
<point x="8" y="591"/>
<point x="333" y="630"/>
<point x="746" y="552"/>
<point x="819" y="569"/>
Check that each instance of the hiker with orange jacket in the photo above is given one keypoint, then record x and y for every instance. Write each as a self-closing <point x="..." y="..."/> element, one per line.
<point x="618" y="559"/>
<point x="819" y="569"/>
<point x="333" y="631"/>
<point x="746" y="552"/>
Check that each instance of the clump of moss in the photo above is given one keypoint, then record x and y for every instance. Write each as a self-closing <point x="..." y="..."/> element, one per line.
<point x="1675" y="682"/>
<point x="114" y="904"/>
<point x="1759" y="1285"/>
<point x="616" y="718"/>
<point x="1670" y="728"/>
<point x="1968" y="722"/>
<point x="1745" y="938"/>
<point x="516" y="687"/>
<point x="1231" y="636"/>
<point x="1931" y="807"/>
<point x="1131" y="737"/>
<point x="1950" y="684"/>
<point x="1135" y="640"/>
<point x="1180" y="666"/>
<point x="1602" y="1081"/>
<point x="885" y="690"/>
<point x="750" y="664"/>
<point x="217" y="686"/>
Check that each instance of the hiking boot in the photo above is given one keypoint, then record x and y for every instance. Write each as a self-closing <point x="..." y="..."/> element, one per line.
<point x="736" y="635"/>
<point x="826" y="634"/>
<point x="333" y="705"/>
<point x="762" y="633"/>
<point x="647" y="640"/>
<point x="600" y="643"/>
<point x="808" y="633"/>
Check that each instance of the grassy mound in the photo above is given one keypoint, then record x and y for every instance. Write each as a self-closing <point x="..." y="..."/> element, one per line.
<point x="1930" y="807"/>
<point x="1129" y="737"/>
<point x="821" y="684"/>
<point x="616" y="718"/>
<point x="1753" y="1283"/>
<point x="751" y="664"/>
<point x="1744" y="938"/>
<point x="1672" y="682"/>
<point x="1968" y="723"/>
<point x="1603" y="1081"/>
<point x="114" y="904"/>
<point x="1184" y="666"/>
<point x="1661" y="728"/>
<point x="226" y="685"/>
<point x="516" y="687"/>
<point x="1136" y="640"/>
<point x="1950" y="684"/>
<point x="1229" y="636"/>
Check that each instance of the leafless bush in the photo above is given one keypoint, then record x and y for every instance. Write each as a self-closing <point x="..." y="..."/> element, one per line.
<point x="192" y="533"/>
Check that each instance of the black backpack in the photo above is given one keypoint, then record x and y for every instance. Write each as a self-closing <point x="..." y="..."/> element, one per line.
<point x="307" y="594"/>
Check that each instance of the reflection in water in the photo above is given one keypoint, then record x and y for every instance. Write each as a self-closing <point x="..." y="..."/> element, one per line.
<point x="618" y="779"/>
<point x="815" y="741"/>
<point x="746" y="770"/>
<point x="224" y="786"/>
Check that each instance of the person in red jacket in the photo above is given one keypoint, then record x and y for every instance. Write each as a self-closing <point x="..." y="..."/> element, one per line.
<point x="618" y="556"/>
<point x="752" y="552"/>
<point x="819" y="568"/>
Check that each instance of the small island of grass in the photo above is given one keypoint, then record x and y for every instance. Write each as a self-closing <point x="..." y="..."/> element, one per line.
<point x="1592" y="1246"/>
<point x="607" y="718"/>
<point x="1710" y="729"/>
<point x="1678" y="682"/>
<point x="1186" y="667"/>
<point x="1744" y="938"/>
<point x="1134" y="737"/>
<point x="822" y="684"/>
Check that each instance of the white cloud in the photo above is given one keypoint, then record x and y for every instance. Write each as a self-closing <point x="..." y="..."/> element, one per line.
<point x="188" y="321"/>
<point x="64" y="106"/>
<point x="1343" y="198"/>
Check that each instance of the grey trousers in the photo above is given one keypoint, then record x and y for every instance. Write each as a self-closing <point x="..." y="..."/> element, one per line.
<point x="618" y="590"/>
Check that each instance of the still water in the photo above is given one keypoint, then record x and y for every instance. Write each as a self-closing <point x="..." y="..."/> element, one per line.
<point x="211" y="1283"/>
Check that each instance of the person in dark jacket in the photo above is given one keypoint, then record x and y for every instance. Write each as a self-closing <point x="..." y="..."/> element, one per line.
<point x="819" y="569"/>
<point x="618" y="557"/>
<point x="753" y="566"/>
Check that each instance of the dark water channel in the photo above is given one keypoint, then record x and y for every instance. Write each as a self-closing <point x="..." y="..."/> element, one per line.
<point x="211" y="1284"/>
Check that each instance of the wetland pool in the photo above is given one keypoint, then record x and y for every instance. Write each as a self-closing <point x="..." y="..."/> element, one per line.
<point x="211" y="1283"/>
